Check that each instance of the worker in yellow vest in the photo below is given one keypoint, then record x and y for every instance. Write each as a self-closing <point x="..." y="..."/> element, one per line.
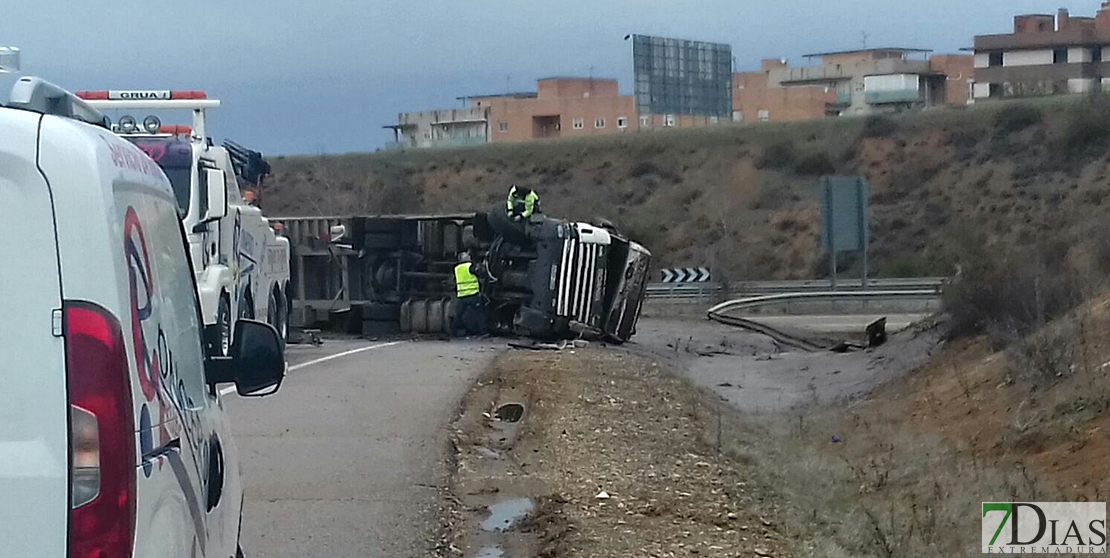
<point x="470" y="310"/>
<point x="522" y="203"/>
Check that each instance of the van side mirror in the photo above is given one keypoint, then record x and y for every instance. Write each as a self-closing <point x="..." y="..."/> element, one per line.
<point x="217" y="194"/>
<point x="256" y="364"/>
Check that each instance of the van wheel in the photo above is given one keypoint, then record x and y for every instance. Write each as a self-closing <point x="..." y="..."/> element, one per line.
<point x="223" y="323"/>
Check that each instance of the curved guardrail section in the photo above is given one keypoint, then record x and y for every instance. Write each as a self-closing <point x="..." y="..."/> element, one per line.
<point x="718" y="312"/>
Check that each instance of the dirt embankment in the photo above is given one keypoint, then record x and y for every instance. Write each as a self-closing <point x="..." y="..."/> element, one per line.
<point x="621" y="456"/>
<point x="611" y="452"/>
<point x="741" y="199"/>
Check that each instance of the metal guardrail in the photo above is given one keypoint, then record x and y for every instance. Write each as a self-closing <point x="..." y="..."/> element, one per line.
<point x="719" y="312"/>
<point x="700" y="292"/>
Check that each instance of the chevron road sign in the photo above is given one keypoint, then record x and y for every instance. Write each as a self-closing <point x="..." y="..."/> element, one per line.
<point x="686" y="275"/>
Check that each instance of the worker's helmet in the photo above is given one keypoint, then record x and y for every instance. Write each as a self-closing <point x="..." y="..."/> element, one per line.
<point x="464" y="257"/>
<point x="522" y="191"/>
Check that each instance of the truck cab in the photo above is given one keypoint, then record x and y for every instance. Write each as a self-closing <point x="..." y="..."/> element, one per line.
<point x="241" y="261"/>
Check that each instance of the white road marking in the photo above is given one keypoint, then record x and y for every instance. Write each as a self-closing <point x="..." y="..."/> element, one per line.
<point x="322" y="360"/>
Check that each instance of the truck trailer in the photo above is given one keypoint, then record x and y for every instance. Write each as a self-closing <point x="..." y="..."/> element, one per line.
<point x="545" y="278"/>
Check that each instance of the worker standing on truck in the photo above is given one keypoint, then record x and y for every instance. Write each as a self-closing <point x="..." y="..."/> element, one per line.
<point x="523" y="202"/>
<point x="470" y="311"/>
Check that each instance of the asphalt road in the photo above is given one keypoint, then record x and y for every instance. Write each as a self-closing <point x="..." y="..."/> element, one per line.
<point x="345" y="460"/>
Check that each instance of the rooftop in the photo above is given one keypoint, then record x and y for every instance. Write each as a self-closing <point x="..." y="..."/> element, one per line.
<point x="866" y="50"/>
<point x="517" y="95"/>
<point x="576" y="78"/>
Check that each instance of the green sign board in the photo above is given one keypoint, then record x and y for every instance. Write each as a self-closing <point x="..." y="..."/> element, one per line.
<point x="844" y="219"/>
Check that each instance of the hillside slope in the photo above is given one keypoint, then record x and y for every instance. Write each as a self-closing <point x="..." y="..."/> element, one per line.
<point x="741" y="198"/>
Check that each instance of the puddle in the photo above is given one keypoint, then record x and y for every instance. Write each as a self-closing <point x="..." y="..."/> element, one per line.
<point x="490" y="552"/>
<point x="510" y="412"/>
<point x="503" y="515"/>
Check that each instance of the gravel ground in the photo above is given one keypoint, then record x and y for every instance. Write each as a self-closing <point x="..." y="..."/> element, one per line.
<point x="612" y="451"/>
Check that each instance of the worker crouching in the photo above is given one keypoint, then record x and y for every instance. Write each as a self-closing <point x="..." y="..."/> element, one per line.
<point x="470" y="311"/>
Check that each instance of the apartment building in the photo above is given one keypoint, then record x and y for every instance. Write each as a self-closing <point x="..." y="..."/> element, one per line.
<point x="560" y="107"/>
<point x="1045" y="54"/>
<point x="853" y="82"/>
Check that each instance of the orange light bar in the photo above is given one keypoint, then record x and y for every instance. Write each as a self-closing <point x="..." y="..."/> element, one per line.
<point x="176" y="130"/>
<point x="190" y="95"/>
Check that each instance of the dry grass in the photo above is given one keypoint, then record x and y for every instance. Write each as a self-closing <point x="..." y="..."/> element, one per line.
<point x="710" y="197"/>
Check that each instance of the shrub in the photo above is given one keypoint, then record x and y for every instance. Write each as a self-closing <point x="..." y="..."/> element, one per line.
<point x="878" y="127"/>
<point x="1015" y="117"/>
<point x="1087" y="127"/>
<point x="1006" y="293"/>
<point x="815" y="164"/>
<point x="777" y="156"/>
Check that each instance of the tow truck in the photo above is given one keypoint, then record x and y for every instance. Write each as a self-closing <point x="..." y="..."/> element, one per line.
<point x="241" y="261"/>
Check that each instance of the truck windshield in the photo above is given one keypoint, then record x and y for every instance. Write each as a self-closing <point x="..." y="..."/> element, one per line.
<point x="176" y="159"/>
<point x="179" y="179"/>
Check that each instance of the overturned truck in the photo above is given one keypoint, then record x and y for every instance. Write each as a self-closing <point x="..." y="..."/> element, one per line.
<point x="542" y="278"/>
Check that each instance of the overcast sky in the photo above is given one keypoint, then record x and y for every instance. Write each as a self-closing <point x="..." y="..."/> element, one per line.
<point x="324" y="76"/>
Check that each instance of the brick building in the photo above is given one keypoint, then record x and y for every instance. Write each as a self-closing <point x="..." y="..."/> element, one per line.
<point x="1045" y="55"/>
<point x="560" y="107"/>
<point x="853" y="82"/>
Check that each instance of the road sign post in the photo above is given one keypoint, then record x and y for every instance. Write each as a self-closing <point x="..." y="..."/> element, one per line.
<point x="844" y="212"/>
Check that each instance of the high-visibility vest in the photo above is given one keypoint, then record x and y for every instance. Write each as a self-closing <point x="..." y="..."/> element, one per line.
<point x="529" y="203"/>
<point x="466" y="284"/>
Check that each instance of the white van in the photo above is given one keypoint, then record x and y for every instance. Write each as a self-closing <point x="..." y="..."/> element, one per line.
<point x="113" y="439"/>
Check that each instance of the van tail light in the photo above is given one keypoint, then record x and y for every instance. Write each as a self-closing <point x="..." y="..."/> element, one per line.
<point x="102" y="435"/>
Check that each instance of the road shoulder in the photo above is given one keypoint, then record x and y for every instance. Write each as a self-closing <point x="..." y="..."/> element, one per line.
<point x="616" y="455"/>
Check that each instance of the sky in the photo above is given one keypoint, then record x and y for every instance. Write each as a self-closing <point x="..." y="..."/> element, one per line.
<point x="324" y="76"/>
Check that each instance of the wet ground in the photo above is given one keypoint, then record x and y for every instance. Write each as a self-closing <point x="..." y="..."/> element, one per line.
<point x="755" y="374"/>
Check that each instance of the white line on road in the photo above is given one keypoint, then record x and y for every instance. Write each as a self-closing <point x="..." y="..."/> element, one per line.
<point x="322" y="360"/>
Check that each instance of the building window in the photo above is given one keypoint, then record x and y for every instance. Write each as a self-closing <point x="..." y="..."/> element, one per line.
<point x="737" y="116"/>
<point x="1096" y="54"/>
<point x="714" y="120"/>
<point x="1060" y="56"/>
<point x="579" y="123"/>
<point x="668" y="121"/>
<point x="503" y="126"/>
<point x="622" y="122"/>
<point x="599" y="122"/>
<point x="995" y="59"/>
<point x="645" y="122"/>
<point x="764" y="115"/>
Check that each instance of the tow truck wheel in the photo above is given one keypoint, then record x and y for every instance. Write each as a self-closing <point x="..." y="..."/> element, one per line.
<point x="276" y="316"/>
<point x="223" y="321"/>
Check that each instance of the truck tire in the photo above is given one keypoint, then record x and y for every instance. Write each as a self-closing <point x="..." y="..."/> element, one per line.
<point x="435" y="317"/>
<point x="405" y="318"/>
<point x="276" y="316"/>
<point x="419" y="310"/>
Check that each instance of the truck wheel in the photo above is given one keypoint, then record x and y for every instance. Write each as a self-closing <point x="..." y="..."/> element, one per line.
<point x="277" y="316"/>
<point x="223" y="323"/>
